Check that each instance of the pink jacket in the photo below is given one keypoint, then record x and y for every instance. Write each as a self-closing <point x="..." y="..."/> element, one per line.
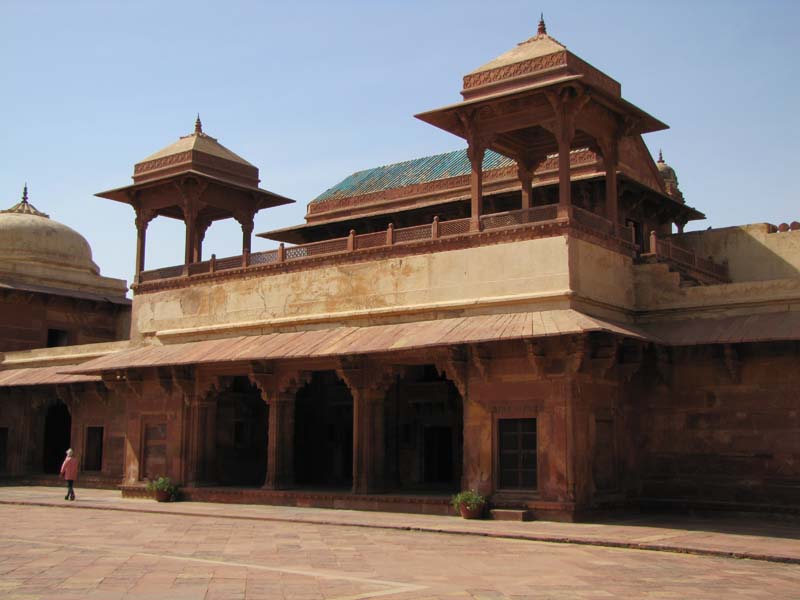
<point x="69" y="470"/>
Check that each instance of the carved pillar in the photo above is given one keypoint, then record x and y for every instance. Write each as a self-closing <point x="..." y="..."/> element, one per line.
<point x="477" y="144"/>
<point x="525" y="174"/>
<point x="566" y="104"/>
<point x="191" y="192"/>
<point x="279" y="390"/>
<point x="190" y="217"/>
<point x="610" y="152"/>
<point x="143" y="218"/>
<point x="369" y="423"/>
<point x="369" y="437"/>
<point x="246" y="222"/>
<point x="280" y="452"/>
<point x="201" y="426"/>
<point x="476" y="154"/>
<point x="200" y="235"/>
<point x="126" y="386"/>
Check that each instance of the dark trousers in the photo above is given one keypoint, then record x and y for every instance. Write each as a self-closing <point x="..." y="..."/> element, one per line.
<point x="70" y="490"/>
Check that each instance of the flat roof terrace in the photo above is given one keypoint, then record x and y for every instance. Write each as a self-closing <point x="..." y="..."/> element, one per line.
<point x="503" y="227"/>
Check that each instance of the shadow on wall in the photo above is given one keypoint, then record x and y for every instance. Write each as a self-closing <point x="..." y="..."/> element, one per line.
<point x="758" y="252"/>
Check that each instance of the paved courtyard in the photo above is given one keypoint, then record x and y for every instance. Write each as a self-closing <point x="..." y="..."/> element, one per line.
<point x="59" y="552"/>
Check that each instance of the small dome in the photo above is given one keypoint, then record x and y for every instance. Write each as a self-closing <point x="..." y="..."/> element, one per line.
<point x="29" y="238"/>
<point x="670" y="178"/>
<point x="666" y="171"/>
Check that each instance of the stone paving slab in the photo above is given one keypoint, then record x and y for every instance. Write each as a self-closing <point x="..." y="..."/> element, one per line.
<point x="48" y="552"/>
<point x="721" y="535"/>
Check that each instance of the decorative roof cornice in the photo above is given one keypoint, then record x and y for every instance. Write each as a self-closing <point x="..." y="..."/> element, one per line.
<point x="23" y="207"/>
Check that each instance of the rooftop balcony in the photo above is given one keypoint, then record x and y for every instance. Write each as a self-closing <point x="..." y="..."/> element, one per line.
<point x="541" y="221"/>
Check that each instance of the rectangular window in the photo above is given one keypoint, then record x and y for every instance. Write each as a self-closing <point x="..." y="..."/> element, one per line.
<point x="57" y="338"/>
<point x="93" y="456"/>
<point x="517" y="450"/>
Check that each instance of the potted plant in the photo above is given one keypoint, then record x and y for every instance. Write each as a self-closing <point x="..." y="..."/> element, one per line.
<point x="469" y="503"/>
<point x="163" y="489"/>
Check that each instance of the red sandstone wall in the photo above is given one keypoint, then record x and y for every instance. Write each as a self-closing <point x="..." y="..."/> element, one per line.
<point x="724" y="432"/>
<point x="26" y="317"/>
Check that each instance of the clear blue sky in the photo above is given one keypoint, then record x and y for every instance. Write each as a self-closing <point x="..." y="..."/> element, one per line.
<point x="312" y="91"/>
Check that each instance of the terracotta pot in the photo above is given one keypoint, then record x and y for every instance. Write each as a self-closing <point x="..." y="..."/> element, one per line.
<point x="471" y="513"/>
<point x="162" y="496"/>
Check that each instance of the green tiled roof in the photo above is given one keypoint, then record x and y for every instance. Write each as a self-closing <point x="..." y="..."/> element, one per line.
<point x="411" y="172"/>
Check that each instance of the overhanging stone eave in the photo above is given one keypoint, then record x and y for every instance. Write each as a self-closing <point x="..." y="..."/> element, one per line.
<point x="343" y="340"/>
<point x="437" y="116"/>
<point x="122" y="194"/>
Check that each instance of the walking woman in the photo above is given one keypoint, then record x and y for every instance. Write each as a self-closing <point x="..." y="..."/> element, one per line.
<point x="69" y="471"/>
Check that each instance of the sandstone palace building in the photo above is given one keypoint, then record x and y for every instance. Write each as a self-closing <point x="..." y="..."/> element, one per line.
<point x="525" y="317"/>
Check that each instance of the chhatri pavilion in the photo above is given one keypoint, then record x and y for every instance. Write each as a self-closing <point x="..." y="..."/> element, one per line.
<point x="525" y="317"/>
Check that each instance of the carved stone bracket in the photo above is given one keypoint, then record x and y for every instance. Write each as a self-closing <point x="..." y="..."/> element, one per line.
<point x="68" y="395"/>
<point x="732" y="362"/>
<point x="276" y="384"/>
<point x="207" y="385"/>
<point x="124" y="381"/>
<point x="664" y="363"/>
<point x="604" y="356"/>
<point x="578" y="351"/>
<point x="631" y="359"/>
<point x="536" y="353"/>
<point x="566" y="102"/>
<point x="481" y="360"/>
<point x="453" y="363"/>
<point x="368" y="380"/>
<point x="143" y="217"/>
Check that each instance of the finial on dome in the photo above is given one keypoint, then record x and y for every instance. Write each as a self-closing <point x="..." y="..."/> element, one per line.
<point x="542" y="30"/>
<point x="660" y="156"/>
<point x="198" y="125"/>
<point x="23" y="207"/>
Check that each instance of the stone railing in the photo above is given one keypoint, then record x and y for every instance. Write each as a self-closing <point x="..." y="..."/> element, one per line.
<point x="702" y="269"/>
<point x="526" y="218"/>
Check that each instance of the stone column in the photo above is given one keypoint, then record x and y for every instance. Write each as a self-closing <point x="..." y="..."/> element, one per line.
<point x="368" y="384"/>
<point x="610" y="152"/>
<point x="566" y="104"/>
<point x="475" y="152"/>
<point x="477" y="144"/>
<point x="143" y="218"/>
<point x="525" y="174"/>
<point x="200" y="235"/>
<point x="201" y="447"/>
<point x="190" y="216"/>
<point x="369" y="441"/>
<point x="247" y="233"/>
<point x="280" y="452"/>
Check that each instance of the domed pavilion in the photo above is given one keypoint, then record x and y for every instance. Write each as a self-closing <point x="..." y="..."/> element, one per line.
<point x="48" y="275"/>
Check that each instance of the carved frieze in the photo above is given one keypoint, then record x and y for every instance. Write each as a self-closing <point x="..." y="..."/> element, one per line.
<point x="527" y="67"/>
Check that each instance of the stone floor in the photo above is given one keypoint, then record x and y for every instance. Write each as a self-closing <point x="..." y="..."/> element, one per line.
<point x="102" y="546"/>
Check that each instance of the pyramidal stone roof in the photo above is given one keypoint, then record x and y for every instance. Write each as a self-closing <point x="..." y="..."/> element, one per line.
<point x="540" y="59"/>
<point x="199" y="152"/>
<point x="411" y="172"/>
<point x="539" y="45"/>
<point x="199" y="142"/>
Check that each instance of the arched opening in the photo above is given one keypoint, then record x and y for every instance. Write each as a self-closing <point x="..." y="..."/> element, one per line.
<point x="324" y="432"/>
<point x="241" y="435"/>
<point x="57" y="428"/>
<point x="424" y="431"/>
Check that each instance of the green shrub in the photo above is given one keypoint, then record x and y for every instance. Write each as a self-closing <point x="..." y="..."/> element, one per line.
<point x="163" y="484"/>
<point x="469" y="498"/>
